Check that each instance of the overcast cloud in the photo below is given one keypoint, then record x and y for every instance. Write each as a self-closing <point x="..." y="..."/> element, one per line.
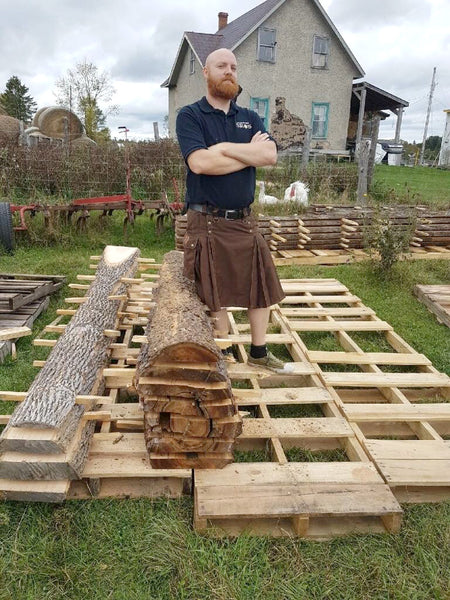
<point x="397" y="44"/>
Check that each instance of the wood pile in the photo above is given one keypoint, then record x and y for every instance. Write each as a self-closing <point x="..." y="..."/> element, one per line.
<point x="46" y="437"/>
<point x="190" y="416"/>
<point x="22" y="299"/>
<point x="330" y="227"/>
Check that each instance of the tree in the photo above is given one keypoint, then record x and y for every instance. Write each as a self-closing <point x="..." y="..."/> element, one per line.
<point x="16" y="101"/>
<point x="81" y="90"/>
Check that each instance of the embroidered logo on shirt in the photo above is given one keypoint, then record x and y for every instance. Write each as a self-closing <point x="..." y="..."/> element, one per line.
<point x="243" y="125"/>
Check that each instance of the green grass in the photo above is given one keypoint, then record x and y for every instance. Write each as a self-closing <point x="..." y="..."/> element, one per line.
<point x="414" y="185"/>
<point x="143" y="549"/>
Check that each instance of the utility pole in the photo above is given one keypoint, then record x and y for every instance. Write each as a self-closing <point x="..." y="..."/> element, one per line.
<point x="433" y="85"/>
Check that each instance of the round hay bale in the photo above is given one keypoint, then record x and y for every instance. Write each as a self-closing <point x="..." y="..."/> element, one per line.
<point x="37" y="115"/>
<point x="51" y="122"/>
<point x="83" y="142"/>
<point x="9" y="130"/>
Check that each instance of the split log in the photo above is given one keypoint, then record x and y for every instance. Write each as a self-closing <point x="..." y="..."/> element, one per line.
<point x="182" y="380"/>
<point x="48" y="419"/>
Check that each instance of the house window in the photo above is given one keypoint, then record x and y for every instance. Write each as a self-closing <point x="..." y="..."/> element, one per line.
<point x="261" y="107"/>
<point x="321" y="50"/>
<point x="266" y="44"/>
<point x="192" y="63"/>
<point x="319" y="120"/>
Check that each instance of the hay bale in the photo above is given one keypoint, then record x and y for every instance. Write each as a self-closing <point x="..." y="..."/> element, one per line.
<point x="9" y="130"/>
<point x="51" y="122"/>
<point x="83" y="142"/>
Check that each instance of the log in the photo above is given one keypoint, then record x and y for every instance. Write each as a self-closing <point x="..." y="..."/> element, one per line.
<point x="47" y="420"/>
<point x="181" y="379"/>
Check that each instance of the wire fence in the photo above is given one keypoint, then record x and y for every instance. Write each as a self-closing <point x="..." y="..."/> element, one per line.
<point x="59" y="173"/>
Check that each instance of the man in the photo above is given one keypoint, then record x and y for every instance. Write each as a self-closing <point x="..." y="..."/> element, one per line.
<point x="222" y="144"/>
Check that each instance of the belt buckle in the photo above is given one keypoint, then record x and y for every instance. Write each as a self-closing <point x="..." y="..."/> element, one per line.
<point x="231" y="212"/>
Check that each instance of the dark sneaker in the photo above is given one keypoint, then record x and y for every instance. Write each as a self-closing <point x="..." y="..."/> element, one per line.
<point x="269" y="362"/>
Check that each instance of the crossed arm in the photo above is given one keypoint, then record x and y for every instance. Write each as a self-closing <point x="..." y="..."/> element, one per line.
<point x="229" y="157"/>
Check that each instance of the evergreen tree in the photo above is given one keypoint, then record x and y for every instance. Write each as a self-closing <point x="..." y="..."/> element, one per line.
<point x="16" y="101"/>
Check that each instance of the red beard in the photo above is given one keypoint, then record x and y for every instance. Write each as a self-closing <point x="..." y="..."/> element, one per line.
<point x="223" y="88"/>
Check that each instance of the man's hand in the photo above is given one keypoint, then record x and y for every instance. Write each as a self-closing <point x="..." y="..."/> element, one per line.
<point x="260" y="137"/>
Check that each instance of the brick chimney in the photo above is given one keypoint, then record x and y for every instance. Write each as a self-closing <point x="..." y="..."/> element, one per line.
<point x="223" y="20"/>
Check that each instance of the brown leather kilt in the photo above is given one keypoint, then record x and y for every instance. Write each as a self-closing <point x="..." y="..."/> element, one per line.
<point x="230" y="262"/>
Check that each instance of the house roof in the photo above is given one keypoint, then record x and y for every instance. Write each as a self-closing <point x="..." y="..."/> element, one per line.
<point x="233" y="34"/>
<point x="376" y="98"/>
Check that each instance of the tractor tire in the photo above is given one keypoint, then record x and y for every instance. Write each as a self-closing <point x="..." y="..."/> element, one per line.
<point x="6" y="228"/>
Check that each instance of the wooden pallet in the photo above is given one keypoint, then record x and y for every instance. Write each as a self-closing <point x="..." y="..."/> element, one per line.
<point x="437" y="299"/>
<point x="17" y="290"/>
<point x="396" y="402"/>
<point x="22" y="317"/>
<point x="338" y="257"/>
<point x="333" y="409"/>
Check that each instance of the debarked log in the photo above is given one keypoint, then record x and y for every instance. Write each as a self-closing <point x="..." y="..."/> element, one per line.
<point x="74" y="366"/>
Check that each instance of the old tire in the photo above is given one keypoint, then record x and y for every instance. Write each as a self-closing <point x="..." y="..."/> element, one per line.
<point x="6" y="227"/>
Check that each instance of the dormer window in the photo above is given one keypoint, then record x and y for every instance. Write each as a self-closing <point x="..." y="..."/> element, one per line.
<point x="267" y="39"/>
<point x="192" y="63"/>
<point x="321" y="50"/>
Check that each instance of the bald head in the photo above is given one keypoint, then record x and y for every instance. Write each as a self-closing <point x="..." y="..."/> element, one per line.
<point x="222" y="54"/>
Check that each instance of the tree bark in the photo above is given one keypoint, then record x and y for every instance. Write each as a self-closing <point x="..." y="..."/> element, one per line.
<point x="191" y="419"/>
<point x="48" y="419"/>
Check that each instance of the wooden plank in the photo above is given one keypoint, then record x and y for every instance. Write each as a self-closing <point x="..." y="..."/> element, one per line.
<point x="326" y="427"/>
<point x="431" y="472"/>
<point x="326" y="299"/>
<point x="408" y="449"/>
<point x="328" y="312"/>
<point x="34" y="491"/>
<point x="398" y="412"/>
<point x="339" y="325"/>
<point x="14" y="333"/>
<point x="265" y="489"/>
<point x="368" y="358"/>
<point x="284" y="396"/>
<point x="412" y="380"/>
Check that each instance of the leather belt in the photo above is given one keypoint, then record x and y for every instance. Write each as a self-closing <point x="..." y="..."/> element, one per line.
<point x="238" y="213"/>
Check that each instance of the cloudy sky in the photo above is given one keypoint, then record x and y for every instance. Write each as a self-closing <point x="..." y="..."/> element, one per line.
<point x="397" y="42"/>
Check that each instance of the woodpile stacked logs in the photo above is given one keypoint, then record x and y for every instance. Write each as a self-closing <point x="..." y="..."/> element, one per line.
<point x="332" y="227"/>
<point x="46" y="437"/>
<point x="190" y="417"/>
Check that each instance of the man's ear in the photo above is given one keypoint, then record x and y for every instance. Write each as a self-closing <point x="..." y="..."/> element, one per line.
<point x="205" y="72"/>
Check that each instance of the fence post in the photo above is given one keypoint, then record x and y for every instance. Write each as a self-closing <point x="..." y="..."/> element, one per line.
<point x="156" y="130"/>
<point x="363" y="164"/>
<point x="306" y="148"/>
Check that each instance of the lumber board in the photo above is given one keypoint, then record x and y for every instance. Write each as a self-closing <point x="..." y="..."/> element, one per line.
<point x="409" y="380"/>
<point x="13" y="333"/>
<point x="368" y="358"/>
<point x="298" y="428"/>
<point x="398" y="412"/>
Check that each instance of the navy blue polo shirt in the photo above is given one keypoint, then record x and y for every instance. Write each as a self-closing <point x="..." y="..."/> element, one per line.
<point x="200" y="125"/>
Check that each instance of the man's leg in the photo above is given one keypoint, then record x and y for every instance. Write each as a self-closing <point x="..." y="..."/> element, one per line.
<point x="221" y="330"/>
<point x="259" y="355"/>
<point x="259" y="319"/>
<point x="220" y="322"/>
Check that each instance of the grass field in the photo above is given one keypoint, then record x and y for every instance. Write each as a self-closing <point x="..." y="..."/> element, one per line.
<point x="419" y="184"/>
<point x="143" y="549"/>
